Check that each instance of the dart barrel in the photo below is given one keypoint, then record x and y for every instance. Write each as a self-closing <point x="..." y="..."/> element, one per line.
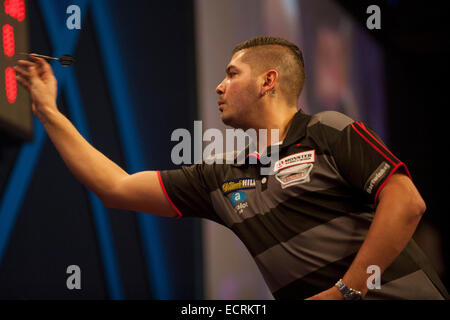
<point x="15" y="107"/>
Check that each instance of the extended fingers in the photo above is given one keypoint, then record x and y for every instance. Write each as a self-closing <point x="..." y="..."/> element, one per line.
<point x="40" y="64"/>
<point x="22" y="72"/>
<point x="25" y="76"/>
<point x="29" y="74"/>
<point x="26" y="63"/>
<point x="23" y="81"/>
<point x="30" y="68"/>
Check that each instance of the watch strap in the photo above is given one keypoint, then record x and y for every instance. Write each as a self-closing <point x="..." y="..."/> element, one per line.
<point x="347" y="292"/>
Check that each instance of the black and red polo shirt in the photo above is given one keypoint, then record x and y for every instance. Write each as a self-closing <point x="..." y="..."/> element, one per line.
<point x="305" y="223"/>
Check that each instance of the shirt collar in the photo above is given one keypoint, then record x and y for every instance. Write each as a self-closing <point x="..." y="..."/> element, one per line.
<point x="296" y="131"/>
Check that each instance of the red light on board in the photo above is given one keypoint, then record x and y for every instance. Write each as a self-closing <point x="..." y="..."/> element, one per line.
<point x="8" y="40"/>
<point x="16" y="118"/>
<point x="15" y="8"/>
<point x="10" y="84"/>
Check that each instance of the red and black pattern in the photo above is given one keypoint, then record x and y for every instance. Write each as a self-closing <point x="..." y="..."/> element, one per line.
<point x="375" y="142"/>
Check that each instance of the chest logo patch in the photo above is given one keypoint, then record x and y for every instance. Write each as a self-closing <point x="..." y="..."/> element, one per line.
<point x="293" y="175"/>
<point x="295" y="168"/>
<point x="295" y="160"/>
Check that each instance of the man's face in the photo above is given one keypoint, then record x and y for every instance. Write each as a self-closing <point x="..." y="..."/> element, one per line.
<point x="238" y="93"/>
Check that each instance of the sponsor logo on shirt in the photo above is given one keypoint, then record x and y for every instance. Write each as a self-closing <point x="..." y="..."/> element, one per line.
<point x="294" y="175"/>
<point x="238" y="184"/>
<point x="238" y="196"/>
<point x="238" y="201"/>
<point x="376" y="176"/>
<point x="295" y="159"/>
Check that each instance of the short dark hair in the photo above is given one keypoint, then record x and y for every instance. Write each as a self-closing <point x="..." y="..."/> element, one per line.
<point x="267" y="52"/>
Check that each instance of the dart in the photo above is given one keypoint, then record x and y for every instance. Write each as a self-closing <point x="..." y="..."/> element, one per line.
<point x="65" y="60"/>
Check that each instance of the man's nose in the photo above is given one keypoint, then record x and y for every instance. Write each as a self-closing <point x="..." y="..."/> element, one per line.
<point x="220" y="89"/>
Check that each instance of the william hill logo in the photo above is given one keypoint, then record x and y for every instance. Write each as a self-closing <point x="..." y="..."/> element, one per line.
<point x="238" y="184"/>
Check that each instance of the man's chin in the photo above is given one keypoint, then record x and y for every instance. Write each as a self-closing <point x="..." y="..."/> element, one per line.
<point x="231" y="120"/>
<point x="225" y="119"/>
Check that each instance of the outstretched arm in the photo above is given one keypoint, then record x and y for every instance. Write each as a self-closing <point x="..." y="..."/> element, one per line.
<point x="115" y="187"/>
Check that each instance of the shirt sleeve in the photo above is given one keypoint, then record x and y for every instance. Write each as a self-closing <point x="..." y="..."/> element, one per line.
<point x="188" y="190"/>
<point x="364" y="160"/>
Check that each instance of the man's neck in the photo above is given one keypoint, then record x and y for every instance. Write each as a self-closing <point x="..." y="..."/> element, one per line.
<point x="279" y="119"/>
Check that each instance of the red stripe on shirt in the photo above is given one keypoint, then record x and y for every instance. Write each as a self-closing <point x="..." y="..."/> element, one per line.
<point x="392" y="162"/>
<point x="379" y="142"/>
<point x="167" y="196"/>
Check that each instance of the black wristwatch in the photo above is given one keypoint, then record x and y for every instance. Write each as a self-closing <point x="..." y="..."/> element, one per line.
<point x="349" y="293"/>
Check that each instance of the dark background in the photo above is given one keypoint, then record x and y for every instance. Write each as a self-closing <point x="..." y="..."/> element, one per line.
<point x="54" y="227"/>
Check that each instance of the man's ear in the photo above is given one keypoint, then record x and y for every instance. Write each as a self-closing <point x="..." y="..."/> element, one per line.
<point x="269" y="80"/>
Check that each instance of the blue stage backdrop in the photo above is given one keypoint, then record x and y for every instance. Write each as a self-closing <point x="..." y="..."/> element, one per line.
<point x="133" y="83"/>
